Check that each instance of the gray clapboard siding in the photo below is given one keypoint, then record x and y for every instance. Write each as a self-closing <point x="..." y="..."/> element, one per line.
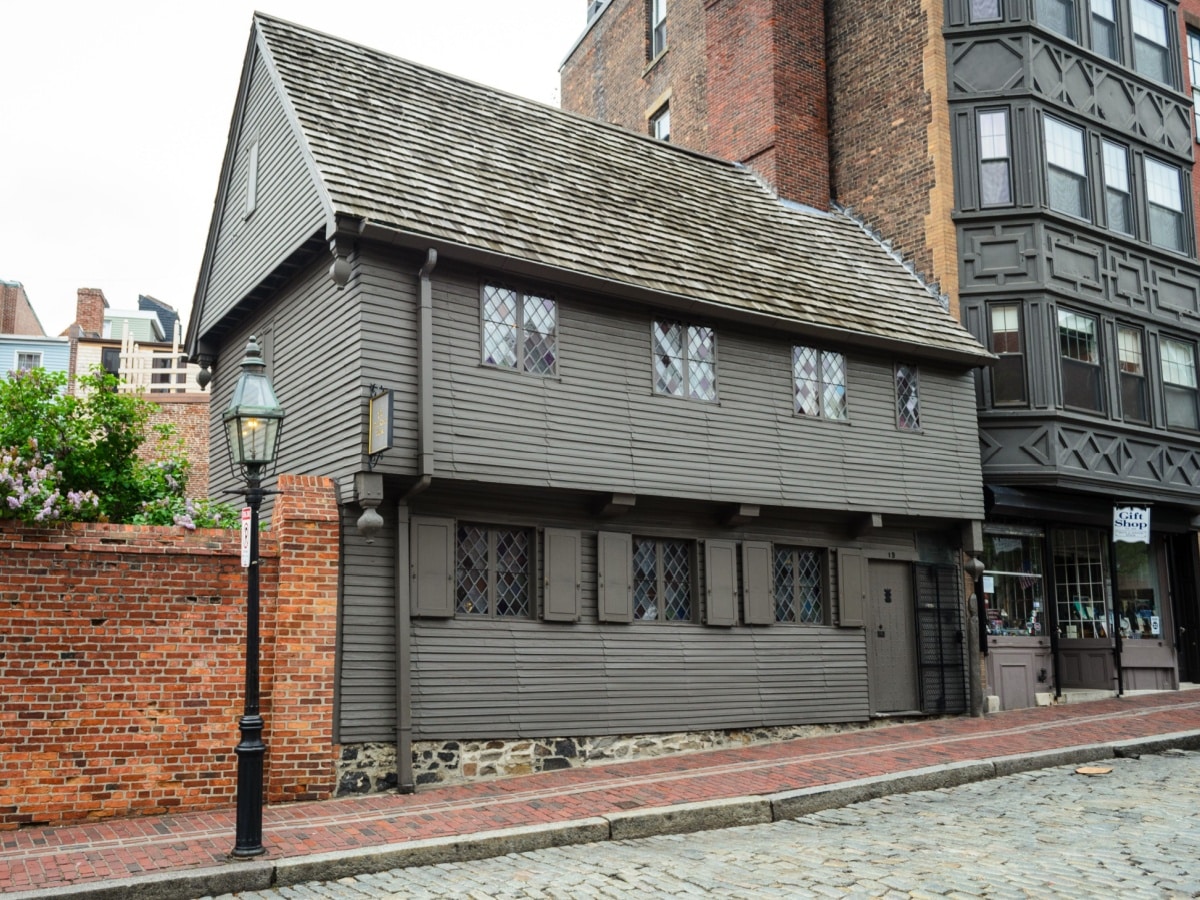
<point x="598" y="425"/>
<point x="511" y="677"/>
<point x="289" y="208"/>
<point x="366" y="685"/>
<point x="320" y="332"/>
<point x="629" y="679"/>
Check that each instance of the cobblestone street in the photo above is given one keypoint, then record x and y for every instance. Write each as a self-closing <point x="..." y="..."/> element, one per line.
<point x="1052" y="833"/>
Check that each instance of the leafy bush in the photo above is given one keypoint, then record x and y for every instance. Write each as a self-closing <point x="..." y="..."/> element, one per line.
<point x="67" y="457"/>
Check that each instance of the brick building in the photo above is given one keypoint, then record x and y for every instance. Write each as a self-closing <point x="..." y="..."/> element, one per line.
<point x="16" y="312"/>
<point x="1033" y="160"/>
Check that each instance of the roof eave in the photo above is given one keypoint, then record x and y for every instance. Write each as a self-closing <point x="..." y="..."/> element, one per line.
<point x="504" y="263"/>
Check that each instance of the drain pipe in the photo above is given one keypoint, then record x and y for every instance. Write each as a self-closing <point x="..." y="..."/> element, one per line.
<point x="405" y="783"/>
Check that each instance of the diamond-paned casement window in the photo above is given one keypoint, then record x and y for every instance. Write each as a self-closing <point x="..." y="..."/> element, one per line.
<point x="520" y="330"/>
<point x="685" y="361"/>
<point x="819" y="382"/>
<point x="908" y="398"/>
<point x="798" y="586"/>
<point x="492" y="571"/>
<point x="662" y="580"/>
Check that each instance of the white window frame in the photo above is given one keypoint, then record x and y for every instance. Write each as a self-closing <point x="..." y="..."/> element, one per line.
<point x="1047" y="10"/>
<point x="660" y="123"/>
<point x="31" y="354"/>
<point x="658" y="28"/>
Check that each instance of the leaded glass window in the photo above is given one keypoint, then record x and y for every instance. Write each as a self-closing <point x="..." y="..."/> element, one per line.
<point x="1104" y="29"/>
<point x="1165" y="198"/>
<point x="1179" y="382"/>
<point x="662" y="580"/>
<point x="1079" y="354"/>
<point x="1150" y="54"/>
<point x="492" y="571"/>
<point x="1118" y="200"/>
<point x="1066" y="168"/>
<point x="797" y="583"/>
<point x="908" y="399"/>
<point x="995" y="182"/>
<point x="520" y="330"/>
<point x="819" y="382"/>
<point x="1131" y="368"/>
<point x="685" y="361"/>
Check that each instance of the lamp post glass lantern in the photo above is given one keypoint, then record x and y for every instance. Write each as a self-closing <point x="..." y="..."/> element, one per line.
<point x="253" y="423"/>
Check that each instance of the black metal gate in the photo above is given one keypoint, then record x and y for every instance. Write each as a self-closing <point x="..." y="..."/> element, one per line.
<point x="941" y="648"/>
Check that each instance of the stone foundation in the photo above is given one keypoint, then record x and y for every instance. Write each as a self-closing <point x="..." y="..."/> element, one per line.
<point x="371" y="767"/>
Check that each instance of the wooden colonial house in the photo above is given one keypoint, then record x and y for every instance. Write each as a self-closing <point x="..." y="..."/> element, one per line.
<point x="667" y="453"/>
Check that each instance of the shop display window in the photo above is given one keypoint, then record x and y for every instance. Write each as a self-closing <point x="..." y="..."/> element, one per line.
<point x="1081" y="583"/>
<point x="1013" y="583"/>
<point x="1138" y="613"/>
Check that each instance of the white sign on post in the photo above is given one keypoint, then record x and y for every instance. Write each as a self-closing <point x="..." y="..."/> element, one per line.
<point x="245" y="537"/>
<point x="1131" y="524"/>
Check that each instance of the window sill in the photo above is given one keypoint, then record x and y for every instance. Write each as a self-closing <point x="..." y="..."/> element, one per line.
<point x="650" y="66"/>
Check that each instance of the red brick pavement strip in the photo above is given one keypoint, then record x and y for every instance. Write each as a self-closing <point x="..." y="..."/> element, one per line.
<point x="41" y="858"/>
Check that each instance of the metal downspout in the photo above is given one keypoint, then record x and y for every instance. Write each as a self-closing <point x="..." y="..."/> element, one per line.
<point x="405" y="784"/>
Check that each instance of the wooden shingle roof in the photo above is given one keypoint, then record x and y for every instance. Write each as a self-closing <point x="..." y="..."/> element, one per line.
<point x="406" y="148"/>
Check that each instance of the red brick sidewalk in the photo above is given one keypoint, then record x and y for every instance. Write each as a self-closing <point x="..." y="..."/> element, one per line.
<point x="46" y="858"/>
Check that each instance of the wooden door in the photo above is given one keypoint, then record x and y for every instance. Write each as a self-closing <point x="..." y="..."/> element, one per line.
<point x="891" y="639"/>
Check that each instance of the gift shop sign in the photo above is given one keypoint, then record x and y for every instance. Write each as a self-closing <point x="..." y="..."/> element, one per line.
<point x="1131" y="524"/>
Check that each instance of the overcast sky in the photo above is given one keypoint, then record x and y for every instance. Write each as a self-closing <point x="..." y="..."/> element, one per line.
<point x="115" y="115"/>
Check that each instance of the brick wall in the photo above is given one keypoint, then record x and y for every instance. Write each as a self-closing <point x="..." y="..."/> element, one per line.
<point x="889" y="126"/>
<point x="122" y="663"/>
<point x="744" y="79"/>
<point x="189" y="414"/>
<point x="16" y="312"/>
<point x="610" y="76"/>
<point x="766" y="92"/>
<point x="90" y="305"/>
<point x="1189" y="14"/>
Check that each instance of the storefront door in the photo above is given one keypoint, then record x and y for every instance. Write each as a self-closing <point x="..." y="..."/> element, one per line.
<point x="1082" y="591"/>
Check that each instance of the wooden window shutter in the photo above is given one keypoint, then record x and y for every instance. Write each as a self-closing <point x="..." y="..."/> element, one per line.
<point x="852" y="587"/>
<point x="756" y="583"/>
<point x="614" y="561"/>
<point x="720" y="579"/>
<point x="432" y="564"/>
<point x="561" y="581"/>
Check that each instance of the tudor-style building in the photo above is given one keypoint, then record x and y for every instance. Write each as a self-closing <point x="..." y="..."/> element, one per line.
<point x="1032" y="157"/>
<point x="661" y="442"/>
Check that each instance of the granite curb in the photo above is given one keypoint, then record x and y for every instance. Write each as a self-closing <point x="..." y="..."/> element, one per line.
<point x="263" y="874"/>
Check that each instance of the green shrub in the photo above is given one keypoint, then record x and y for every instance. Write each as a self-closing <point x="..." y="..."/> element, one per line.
<point x="67" y="457"/>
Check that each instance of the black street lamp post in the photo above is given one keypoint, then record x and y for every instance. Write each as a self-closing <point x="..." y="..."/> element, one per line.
<point x="253" y="422"/>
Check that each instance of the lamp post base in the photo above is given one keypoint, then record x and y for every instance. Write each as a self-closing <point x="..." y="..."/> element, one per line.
<point x="250" y="751"/>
